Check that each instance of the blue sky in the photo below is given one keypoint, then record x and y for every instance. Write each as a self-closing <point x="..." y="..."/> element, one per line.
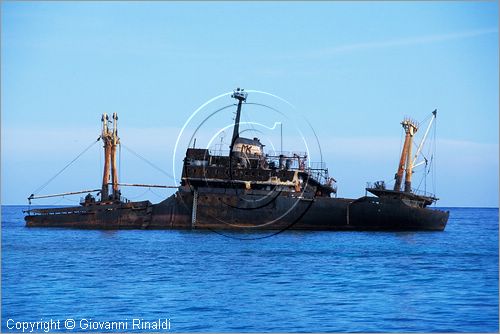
<point x="353" y="69"/>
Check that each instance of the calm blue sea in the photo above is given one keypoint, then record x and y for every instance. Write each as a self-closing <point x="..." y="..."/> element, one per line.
<point x="292" y="282"/>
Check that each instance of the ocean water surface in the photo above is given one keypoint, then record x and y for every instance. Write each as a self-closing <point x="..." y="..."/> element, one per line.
<point x="292" y="282"/>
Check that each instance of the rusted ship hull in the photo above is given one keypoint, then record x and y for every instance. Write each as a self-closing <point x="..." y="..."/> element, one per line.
<point x="112" y="216"/>
<point x="248" y="212"/>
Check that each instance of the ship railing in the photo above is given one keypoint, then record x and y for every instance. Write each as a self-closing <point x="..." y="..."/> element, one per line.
<point x="296" y="162"/>
<point x="121" y="198"/>
<point x="287" y="154"/>
<point x="269" y="155"/>
<point x="218" y="153"/>
<point x="414" y="203"/>
<point x="320" y="176"/>
<point x="56" y="211"/>
<point x="318" y="165"/>
<point x="423" y="193"/>
<point x="376" y="185"/>
<point x="319" y="172"/>
<point x="382" y="185"/>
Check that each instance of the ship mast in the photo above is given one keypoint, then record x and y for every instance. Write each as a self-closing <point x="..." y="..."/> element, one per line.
<point x="241" y="96"/>
<point x="410" y="128"/>
<point x="110" y="140"/>
<point x="114" y="170"/>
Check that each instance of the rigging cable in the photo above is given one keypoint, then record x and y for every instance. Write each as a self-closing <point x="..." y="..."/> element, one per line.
<point x="54" y="202"/>
<point x="434" y="161"/>
<point x="425" y="176"/>
<point x="156" y="194"/>
<point x="140" y="195"/>
<point x="119" y="161"/>
<point x="147" y="161"/>
<point x="423" y="179"/>
<point x="244" y="117"/>
<point x="65" y="167"/>
<point x="430" y="152"/>
<point x="70" y="200"/>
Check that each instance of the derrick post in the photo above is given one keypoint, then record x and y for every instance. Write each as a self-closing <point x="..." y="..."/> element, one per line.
<point x="114" y="171"/>
<point x="410" y="128"/>
<point x="107" y="157"/>
<point x="401" y="165"/>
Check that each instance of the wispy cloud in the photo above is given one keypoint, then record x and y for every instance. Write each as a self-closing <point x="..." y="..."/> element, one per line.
<point x="415" y="40"/>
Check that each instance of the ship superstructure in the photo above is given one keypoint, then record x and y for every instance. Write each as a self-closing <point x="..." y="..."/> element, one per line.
<point x="248" y="167"/>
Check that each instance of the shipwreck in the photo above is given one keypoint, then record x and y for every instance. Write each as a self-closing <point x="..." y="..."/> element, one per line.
<point x="249" y="190"/>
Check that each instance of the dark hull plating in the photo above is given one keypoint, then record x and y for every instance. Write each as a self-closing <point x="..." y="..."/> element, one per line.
<point x="247" y="211"/>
